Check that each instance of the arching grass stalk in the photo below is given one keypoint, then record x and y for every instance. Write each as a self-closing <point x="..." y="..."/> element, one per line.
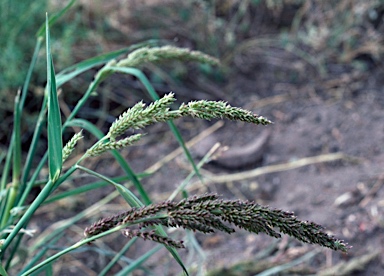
<point x="77" y="245"/>
<point x="205" y="213"/>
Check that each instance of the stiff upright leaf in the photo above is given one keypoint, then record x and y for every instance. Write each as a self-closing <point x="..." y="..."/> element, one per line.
<point x="55" y="143"/>
<point x="2" y="271"/>
<point x="54" y="18"/>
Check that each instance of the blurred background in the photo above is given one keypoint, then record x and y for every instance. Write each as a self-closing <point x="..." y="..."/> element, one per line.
<point x="313" y="67"/>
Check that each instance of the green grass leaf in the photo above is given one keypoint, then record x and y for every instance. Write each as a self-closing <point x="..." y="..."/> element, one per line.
<point x="17" y="134"/>
<point x="87" y="188"/>
<point x="173" y="251"/>
<point x="54" y="18"/>
<point x="138" y="262"/>
<point x="2" y="271"/>
<point x="129" y="197"/>
<point x="117" y="257"/>
<point x="24" y="92"/>
<point x="55" y="143"/>
<point x="75" y="70"/>
<point x="42" y="252"/>
<point x="16" y="166"/>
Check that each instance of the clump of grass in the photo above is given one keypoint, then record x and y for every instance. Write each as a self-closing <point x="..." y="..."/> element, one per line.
<point x="204" y="213"/>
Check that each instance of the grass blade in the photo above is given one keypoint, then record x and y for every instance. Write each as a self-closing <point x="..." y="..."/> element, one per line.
<point x="24" y="92"/>
<point x="75" y="70"/>
<point x="55" y="143"/>
<point x="117" y="257"/>
<point x="83" y="189"/>
<point x="5" y="174"/>
<point x="75" y="246"/>
<point x="16" y="166"/>
<point x="2" y="271"/>
<point x="129" y="197"/>
<point x="137" y="263"/>
<point x="54" y="18"/>
<point x="60" y="226"/>
<point x="32" y="65"/>
<point x="172" y="250"/>
<point x="42" y="252"/>
<point x="84" y="124"/>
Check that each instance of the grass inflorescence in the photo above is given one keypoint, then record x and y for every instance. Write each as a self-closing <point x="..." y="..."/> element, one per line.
<point x="158" y="54"/>
<point x="207" y="214"/>
<point x="140" y="116"/>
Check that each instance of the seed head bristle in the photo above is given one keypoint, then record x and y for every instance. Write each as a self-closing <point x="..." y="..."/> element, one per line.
<point x="207" y="213"/>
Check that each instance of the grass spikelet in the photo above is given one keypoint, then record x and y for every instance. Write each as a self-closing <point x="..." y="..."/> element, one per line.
<point x="158" y="54"/>
<point x="138" y="116"/>
<point x="211" y="109"/>
<point x="70" y="146"/>
<point x="152" y="236"/>
<point x="100" y="147"/>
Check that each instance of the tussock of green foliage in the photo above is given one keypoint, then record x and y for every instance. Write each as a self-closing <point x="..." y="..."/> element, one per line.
<point x="203" y="213"/>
